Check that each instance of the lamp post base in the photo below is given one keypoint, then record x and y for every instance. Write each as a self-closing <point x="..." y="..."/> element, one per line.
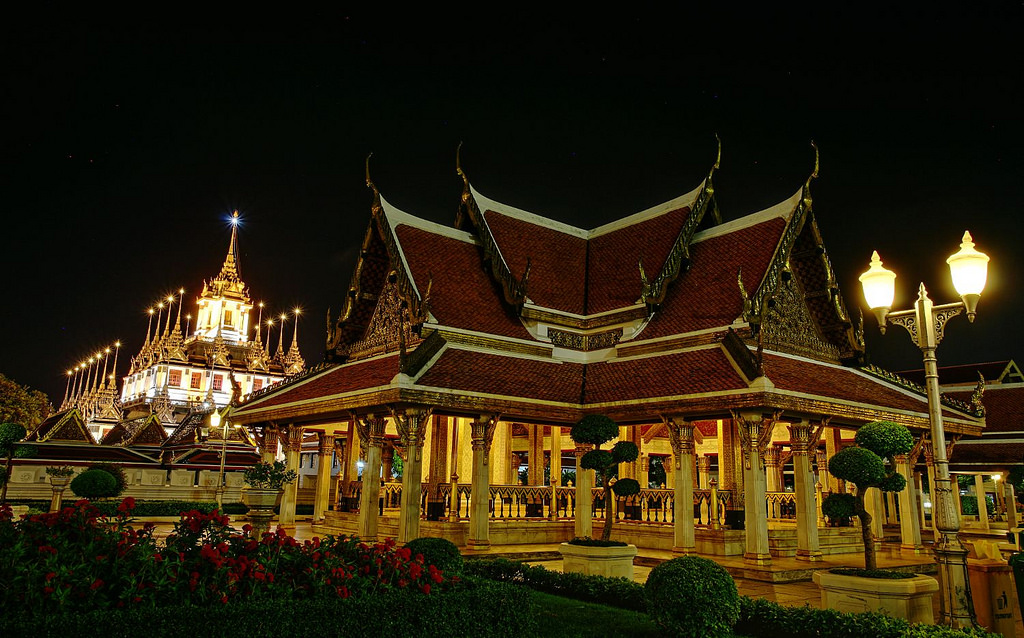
<point x="954" y="587"/>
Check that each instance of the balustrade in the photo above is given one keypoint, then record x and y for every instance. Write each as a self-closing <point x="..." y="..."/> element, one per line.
<point x="781" y="506"/>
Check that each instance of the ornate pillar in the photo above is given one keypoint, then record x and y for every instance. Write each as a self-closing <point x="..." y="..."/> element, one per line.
<point x="703" y="471"/>
<point x="556" y="455"/>
<point x="584" y="495"/>
<point x="371" y="430"/>
<point x="325" y="453"/>
<point x="681" y="438"/>
<point x="979" y="492"/>
<point x="268" y="451"/>
<point x="341" y="453"/>
<point x="773" y="468"/>
<point x="910" y="529"/>
<point x="535" y="467"/>
<point x="873" y="504"/>
<point x="833" y="443"/>
<point x="954" y="482"/>
<point x="807" y="544"/>
<point x="438" y="472"/>
<point x="730" y="462"/>
<point x="1011" y="506"/>
<point x="502" y="447"/>
<point x="822" y="466"/>
<point x="291" y="456"/>
<point x="754" y="434"/>
<point x="919" y="487"/>
<point x="411" y="426"/>
<point x="480" y="494"/>
<point x="644" y="470"/>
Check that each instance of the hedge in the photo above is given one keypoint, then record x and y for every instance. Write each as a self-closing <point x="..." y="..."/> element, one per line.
<point x="475" y="608"/>
<point x="761" y="618"/>
<point x="615" y="592"/>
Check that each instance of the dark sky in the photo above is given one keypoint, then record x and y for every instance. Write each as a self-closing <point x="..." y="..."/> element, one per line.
<point x="126" y="146"/>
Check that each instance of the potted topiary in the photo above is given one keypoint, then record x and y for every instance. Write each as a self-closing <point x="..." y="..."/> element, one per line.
<point x="264" y="485"/>
<point x="603" y="556"/>
<point x="871" y="464"/>
<point x="94" y="484"/>
<point x="839" y="508"/>
<point x="60" y="476"/>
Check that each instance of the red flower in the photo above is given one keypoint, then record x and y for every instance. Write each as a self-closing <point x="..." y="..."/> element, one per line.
<point x="127" y="505"/>
<point x="50" y="576"/>
<point x="425" y="588"/>
<point x="96" y="584"/>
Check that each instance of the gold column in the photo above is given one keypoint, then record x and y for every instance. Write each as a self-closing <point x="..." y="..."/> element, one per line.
<point x="681" y="439"/>
<point x="480" y="495"/>
<point x="325" y="452"/>
<point x="808" y="546"/>
<point x="373" y="428"/>
<point x="288" y="499"/>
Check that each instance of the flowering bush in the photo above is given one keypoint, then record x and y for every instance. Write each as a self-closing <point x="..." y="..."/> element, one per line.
<point x="76" y="559"/>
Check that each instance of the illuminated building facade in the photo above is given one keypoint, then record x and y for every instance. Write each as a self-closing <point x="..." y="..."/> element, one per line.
<point x="178" y="370"/>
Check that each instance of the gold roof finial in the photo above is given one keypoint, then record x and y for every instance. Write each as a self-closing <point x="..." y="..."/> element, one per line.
<point x="816" y="158"/>
<point x="369" y="182"/>
<point x="718" y="158"/>
<point x="814" y="174"/>
<point x="458" y="165"/>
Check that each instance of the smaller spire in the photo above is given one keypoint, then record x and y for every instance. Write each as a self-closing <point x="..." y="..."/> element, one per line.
<point x="280" y="338"/>
<point x="231" y="269"/>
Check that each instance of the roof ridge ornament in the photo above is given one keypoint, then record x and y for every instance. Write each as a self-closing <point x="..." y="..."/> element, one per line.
<point x="814" y="175"/>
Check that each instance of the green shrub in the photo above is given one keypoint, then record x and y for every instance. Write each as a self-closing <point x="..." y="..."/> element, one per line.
<point x="692" y="596"/>
<point x="615" y="592"/>
<point x="473" y="609"/>
<point x="839" y="507"/>
<point x="760" y="618"/>
<point x="439" y="552"/>
<point x="116" y="471"/>
<point x="92" y="484"/>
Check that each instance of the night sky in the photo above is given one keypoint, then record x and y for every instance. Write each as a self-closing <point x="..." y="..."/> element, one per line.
<point x="127" y="146"/>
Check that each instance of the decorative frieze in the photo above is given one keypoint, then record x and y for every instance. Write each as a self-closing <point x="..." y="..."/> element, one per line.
<point x="584" y="342"/>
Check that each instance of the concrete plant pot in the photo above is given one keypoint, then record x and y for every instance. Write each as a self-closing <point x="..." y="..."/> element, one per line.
<point x="613" y="562"/>
<point x="908" y="598"/>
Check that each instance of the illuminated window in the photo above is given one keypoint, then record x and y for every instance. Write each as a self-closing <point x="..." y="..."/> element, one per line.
<point x="228" y="320"/>
<point x="218" y="381"/>
<point x="196" y="381"/>
<point x="257" y="384"/>
<point x="174" y="378"/>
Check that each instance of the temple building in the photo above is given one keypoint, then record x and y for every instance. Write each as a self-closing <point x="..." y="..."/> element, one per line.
<point x="724" y="350"/>
<point x="176" y="371"/>
<point x="158" y="425"/>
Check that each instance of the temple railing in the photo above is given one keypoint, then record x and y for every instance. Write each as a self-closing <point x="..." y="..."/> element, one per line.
<point x="781" y="506"/>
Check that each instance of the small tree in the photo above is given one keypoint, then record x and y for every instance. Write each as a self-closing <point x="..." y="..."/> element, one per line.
<point x="597" y="429"/>
<point x="872" y="464"/>
<point x="10" y="434"/>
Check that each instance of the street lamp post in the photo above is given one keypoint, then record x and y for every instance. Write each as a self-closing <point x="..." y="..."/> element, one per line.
<point x="214" y="424"/>
<point x="926" y="323"/>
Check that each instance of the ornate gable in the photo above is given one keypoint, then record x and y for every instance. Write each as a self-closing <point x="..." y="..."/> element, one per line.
<point x="68" y="426"/>
<point x="380" y="270"/>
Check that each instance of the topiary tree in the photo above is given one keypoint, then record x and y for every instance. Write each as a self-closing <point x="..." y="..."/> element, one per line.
<point x="597" y="429"/>
<point x="692" y="596"/>
<point x="439" y="552"/>
<point x="872" y="464"/>
<point x="10" y="434"/>
<point x="93" y="484"/>
<point x="117" y="471"/>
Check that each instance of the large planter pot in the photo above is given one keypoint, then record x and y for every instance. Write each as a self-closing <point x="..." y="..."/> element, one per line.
<point x="261" y="505"/>
<point x="613" y="562"/>
<point x="256" y="499"/>
<point x="908" y="598"/>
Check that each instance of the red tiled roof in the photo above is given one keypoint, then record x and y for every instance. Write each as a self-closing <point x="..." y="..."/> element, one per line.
<point x="340" y="379"/>
<point x="707" y="296"/>
<point x="707" y="428"/>
<point x="834" y="382"/>
<point x="1004" y="407"/>
<point x="681" y="373"/>
<point x="613" y="277"/>
<point x="463" y="294"/>
<point x="558" y="260"/>
<point x="505" y="376"/>
<point x="995" y="453"/>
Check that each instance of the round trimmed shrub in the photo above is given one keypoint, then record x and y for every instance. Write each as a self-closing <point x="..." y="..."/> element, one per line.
<point x="594" y="429"/>
<point x="858" y="465"/>
<point x="120" y="478"/>
<point x="439" y="552"/>
<point x="839" y="507"/>
<point x="692" y="596"/>
<point x="885" y="438"/>
<point x="92" y="484"/>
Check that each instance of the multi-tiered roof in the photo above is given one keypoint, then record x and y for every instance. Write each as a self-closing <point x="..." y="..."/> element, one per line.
<point x="668" y="311"/>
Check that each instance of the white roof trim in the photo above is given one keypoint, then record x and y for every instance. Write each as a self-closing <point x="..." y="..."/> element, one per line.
<point x="396" y="217"/>
<point x="781" y="210"/>
<point x="485" y="203"/>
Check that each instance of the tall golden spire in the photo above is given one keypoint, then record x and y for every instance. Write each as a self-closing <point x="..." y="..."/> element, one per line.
<point x="181" y="302"/>
<point x="230" y="271"/>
